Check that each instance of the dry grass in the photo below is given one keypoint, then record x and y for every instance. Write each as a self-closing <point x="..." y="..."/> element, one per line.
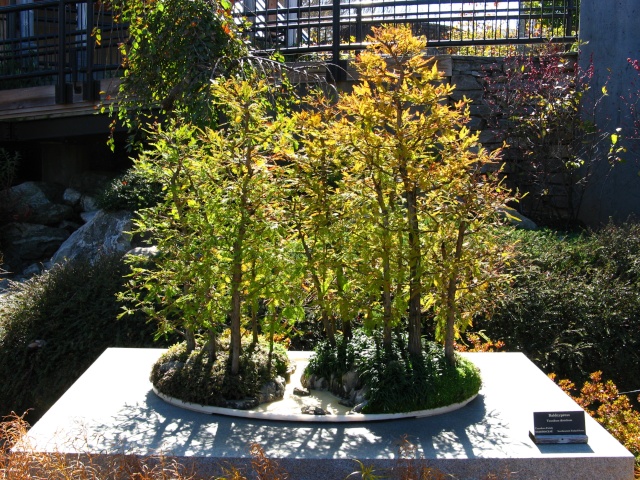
<point x="27" y="463"/>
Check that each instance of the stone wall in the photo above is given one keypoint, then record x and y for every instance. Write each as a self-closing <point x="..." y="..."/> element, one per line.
<point x="476" y="78"/>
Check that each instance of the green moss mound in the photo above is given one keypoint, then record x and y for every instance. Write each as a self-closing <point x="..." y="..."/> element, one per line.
<point x="196" y="377"/>
<point x="396" y="382"/>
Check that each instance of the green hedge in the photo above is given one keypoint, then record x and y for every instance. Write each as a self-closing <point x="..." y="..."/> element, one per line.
<point x="574" y="304"/>
<point x="55" y="326"/>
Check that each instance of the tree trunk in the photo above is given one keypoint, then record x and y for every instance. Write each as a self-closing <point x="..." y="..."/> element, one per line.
<point x="236" y="280"/>
<point x="415" y="284"/>
<point x="324" y="314"/>
<point x="190" y="339"/>
<point x="344" y="308"/>
<point x="387" y="312"/>
<point x="449" y="341"/>
<point x="211" y="344"/>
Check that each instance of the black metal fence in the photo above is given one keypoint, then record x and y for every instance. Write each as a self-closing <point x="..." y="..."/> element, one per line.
<point x="66" y="42"/>
<point x="58" y="42"/>
<point x="332" y="28"/>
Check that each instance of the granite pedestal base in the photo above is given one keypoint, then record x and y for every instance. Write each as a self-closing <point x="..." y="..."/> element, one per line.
<point x="111" y="409"/>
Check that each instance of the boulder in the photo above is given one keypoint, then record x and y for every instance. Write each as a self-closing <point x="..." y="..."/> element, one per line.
<point x="72" y="197"/>
<point x="272" y="390"/>
<point x="311" y="410"/>
<point x="358" y="408"/>
<point x="350" y="381"/>
<point x="88" y="204"/>
<point x="301" y="392"/>
<point x="25" y="243"/>
<point x="148" y="253"/>
<point x="106" y="232"/>
<point x="38" y="202"/>
<point x="515" y="218"/>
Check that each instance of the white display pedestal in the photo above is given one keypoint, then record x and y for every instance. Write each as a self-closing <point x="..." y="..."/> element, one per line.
<point x="112" y="409"/>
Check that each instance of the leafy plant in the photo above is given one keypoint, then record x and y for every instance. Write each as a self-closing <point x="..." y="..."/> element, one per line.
<point x="412" y="194"/>
<point x="537" y="110"/>
<point x="573" y="305"/>
<point x="173" y="51"/>
<point x="130" y="191"/>
<point x="55" y="325"/>
<point x="198" y="378"/>
<point x="396" y="382"/>
<point x="218" y="228"/>
<point x="612" y="409"/>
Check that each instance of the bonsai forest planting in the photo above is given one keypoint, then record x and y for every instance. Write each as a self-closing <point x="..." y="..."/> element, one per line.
<point x="372" y="213"/>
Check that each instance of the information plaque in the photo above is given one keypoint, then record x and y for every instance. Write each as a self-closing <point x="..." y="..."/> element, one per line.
<point x="559" y="427"/>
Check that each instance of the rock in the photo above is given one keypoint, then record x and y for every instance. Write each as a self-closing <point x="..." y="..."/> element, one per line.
<point x="272" y="390"/>
<point x="301" y="392"/>
<point x="25" y="243"/>
<point x="345" y="402"/>
<point x="71" y="197"/>
<point x="88" y="204"/>
<point x="350" y="381"/>
<point x="105" y="233"/>
<point x="516" y="219"/>
<point x="88" y="216"/>
<point x="359" y="395"/>
<point x="36" y="344"/>
<point x="39" y="203"/>
<point x="307" y="380"/>
<point x="358" y="408"/>
<point x="311" y="410"/>
<point x="244" y="404"/>
<point x="32" y="270"/>
<point x="69" y="226"/>
<point x="320" y="383"/>
<point x="145" y="252"/>
<point x="291" y="369"/>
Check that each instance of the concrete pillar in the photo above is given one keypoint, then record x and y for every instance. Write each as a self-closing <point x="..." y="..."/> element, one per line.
<point x="612" y="30"/>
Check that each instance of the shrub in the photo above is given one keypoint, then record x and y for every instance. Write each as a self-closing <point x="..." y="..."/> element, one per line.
<point x="397" y="381"/>
<point x="574" y="305"/>
<point x="613" y="410"/>
<point x="537" y="107"/>
<point x="130" y="191"/>
<point x="55" y="325"/>
<point x="194" y="376"/>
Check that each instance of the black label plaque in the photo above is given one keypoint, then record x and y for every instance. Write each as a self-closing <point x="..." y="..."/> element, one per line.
<point x="559" y="427"/>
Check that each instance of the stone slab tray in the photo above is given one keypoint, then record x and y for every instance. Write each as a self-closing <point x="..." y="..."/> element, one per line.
<point x="289" y="408"/>
<point x="111" y="409"/>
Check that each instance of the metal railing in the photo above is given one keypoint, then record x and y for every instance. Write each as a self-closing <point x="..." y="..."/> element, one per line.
<point x="66" y="43"/>
<point x="71" y="42"/>
<point x="332" y="28"/>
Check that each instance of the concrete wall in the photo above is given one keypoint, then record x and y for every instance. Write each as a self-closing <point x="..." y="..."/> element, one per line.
<point x="612" y="30"/>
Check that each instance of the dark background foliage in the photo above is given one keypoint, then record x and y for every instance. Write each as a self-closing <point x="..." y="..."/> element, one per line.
<point x="574" y="305"/>
<point x="70" y="311"/>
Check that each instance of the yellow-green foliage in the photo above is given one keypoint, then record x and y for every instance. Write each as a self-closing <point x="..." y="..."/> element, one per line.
<point x="413" y="196"/>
